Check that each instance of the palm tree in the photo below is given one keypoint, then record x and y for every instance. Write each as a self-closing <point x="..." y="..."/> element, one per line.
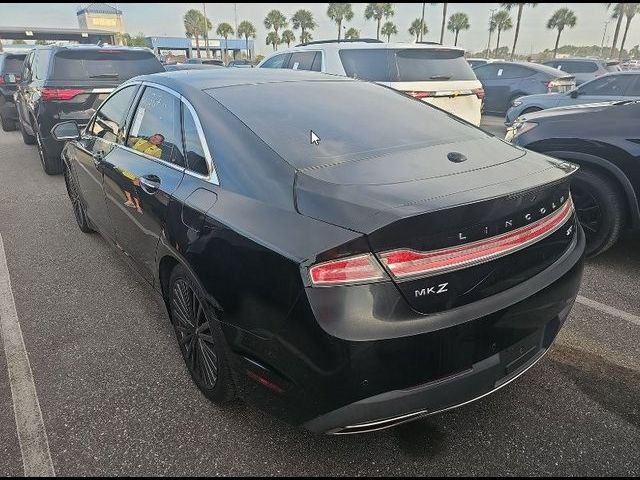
<point x="338" y="12"/>
<point x="520" y="6"/>
<point x="276" y="20"/>
<point x="444" y="19"/>
<point x="287" y="37"/>
<point x="561" y="18"/>
<point x="502" y="22"/>
<point x="378" y="11"/>
<point x="303" y="20"/>
<point x="414" y="29"/>
<point x="388" y="29"/>
<point x="224" y="30"/>
<point x="247" y="30"/>
<point x="273" y="39"/>
<point x="352" y="34"/>
<point x="194" y="22"/>
<point x="618" y="14"/>
<point x="457" y="22"/>
<point x="629" y="10"/>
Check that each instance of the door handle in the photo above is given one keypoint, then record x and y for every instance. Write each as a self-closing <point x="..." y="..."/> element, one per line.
<point x="150" y="184"/>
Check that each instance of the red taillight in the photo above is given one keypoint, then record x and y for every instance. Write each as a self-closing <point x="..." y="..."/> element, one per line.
<point x="362" y="268"/>
<point x="420" y="94"/>
<point x="479" y="92"/>
<point x="59" y="94"/>
<point x="2" y="82"/>
<point x="407" y="263"/>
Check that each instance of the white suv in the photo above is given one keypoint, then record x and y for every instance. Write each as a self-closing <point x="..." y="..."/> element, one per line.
<point x="438" y="75"/>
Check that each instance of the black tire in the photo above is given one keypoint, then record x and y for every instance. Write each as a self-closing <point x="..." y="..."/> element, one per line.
<point x="26" y="138"/>
<point x="8" y="125"/>
<point x="600" y="207"/>
<point x="76" y="202"/>
<point x="200" y="338"/>
<point x="530" y="110"/>
<point x="51" y="163"/>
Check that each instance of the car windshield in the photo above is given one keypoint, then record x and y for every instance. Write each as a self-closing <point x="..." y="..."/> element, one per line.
<point x="104" y="64"/>
<point x="13" y="64"/>
<point x="406" y="65"/>
<point x="351" y="120"/>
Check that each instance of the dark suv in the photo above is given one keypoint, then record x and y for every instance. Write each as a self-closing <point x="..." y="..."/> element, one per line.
<point x="10" y="70"/>
<point x="69" y="83"/>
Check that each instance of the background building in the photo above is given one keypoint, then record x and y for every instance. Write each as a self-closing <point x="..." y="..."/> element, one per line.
<point x="100" y="16"/>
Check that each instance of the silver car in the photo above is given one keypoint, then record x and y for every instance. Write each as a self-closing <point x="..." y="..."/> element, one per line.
<point x="607" y="88"/>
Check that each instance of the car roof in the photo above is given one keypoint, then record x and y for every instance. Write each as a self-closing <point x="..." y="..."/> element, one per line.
<point x="91" y="47"/>
<point x="575" y="59"/>
<point x="206" y="79"/>
<point x="332" y="46"/>
<point x="534" y="66"/>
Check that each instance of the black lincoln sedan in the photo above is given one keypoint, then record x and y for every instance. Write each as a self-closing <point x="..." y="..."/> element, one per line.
<point x="335" y="253"/>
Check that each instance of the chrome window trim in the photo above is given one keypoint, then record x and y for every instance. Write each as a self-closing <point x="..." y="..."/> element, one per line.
<point x="212" y="176"/>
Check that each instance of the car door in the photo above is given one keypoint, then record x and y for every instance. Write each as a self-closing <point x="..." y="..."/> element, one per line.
<point x="141" y="176"/>
<point x="488" y="76"/>
<point x="106" y="130"/>
<point x="605" y="89"/>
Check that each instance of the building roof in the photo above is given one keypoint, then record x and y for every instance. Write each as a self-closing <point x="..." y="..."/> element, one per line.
<point x="102" y="8"/>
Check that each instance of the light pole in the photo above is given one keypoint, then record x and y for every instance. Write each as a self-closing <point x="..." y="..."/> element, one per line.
<point x="206" y="30"/>
<point x="490" y="32"/>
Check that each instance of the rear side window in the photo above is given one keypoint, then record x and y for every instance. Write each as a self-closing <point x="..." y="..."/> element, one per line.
<point x="194" y="153"/>
<point x="279" y="61"/>
<point x="302" y="60"/>
<point x="577" y="67"/>
<point x="156" y="127"/>
<point x="13" y="64"/>
<point x="103" y="64"/>
<point x="614" y="85"/>
<point x="40" y="64"/>
<point x="406" y="65"/>
<point x="487" y="72"/>
<point x="110" y="119"/>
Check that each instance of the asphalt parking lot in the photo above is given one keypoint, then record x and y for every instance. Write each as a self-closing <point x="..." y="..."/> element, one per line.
<point x="116" y="399"/>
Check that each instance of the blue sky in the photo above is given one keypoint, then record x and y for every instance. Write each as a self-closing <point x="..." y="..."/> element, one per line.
<point x="166" y="19"/>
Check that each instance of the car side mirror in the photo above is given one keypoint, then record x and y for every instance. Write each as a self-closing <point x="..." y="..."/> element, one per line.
<point x="66" y="131"/>
<point x="574" y="93"/>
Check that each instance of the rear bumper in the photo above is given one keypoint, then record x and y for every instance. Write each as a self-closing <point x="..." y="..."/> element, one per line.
<point x="541" y="316"/>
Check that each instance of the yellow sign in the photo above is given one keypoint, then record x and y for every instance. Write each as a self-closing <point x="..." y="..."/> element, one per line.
<point x="104" y="22"/>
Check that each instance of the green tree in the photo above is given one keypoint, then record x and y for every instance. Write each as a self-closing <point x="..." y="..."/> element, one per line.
<point x="276" y="20"/>
<point x="520" y="6"/>
<point x="339" y="12"/>
<point x="194" y="25"/>
<point x="414" y="29"/>
<point x="352" y="34"/>
<point x="388" y="29"/>
<point x="303" y="20"/>
<point x="561" y="19"/>
<point x="635" y="52"/>
<point x="287" y="37"/>
<point x="378" y="11"/>
<point x="630" y="10"/>
<point x="247" y="30"/>
<point x="224" y="30"/>
<point x="41" y="42"/>
<point x="619" y="15"/>
<point x="19" y="42"/>
<point x="458" y="22"/>
<point x="123" y="39"/>
<point x="501" y="22"/>
<point x="444" y="20"/>
<point x="273" y="39"/>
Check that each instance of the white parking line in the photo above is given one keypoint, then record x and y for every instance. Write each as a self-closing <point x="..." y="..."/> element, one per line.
<point x="32" y="436"/>
<point x="614" y="312"/>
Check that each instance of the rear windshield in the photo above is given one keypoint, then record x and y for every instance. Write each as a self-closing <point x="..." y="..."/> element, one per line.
<point x="406" y="65"/>
<point x="350" y="118"/>
<point x="103" y="65"/>
<point x="13" y="64"/>
<point x="576" y="67"/>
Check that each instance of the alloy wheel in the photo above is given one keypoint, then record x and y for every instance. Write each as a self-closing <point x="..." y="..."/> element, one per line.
<point x="194" y="334"/>
<point x="588" y="209"/>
